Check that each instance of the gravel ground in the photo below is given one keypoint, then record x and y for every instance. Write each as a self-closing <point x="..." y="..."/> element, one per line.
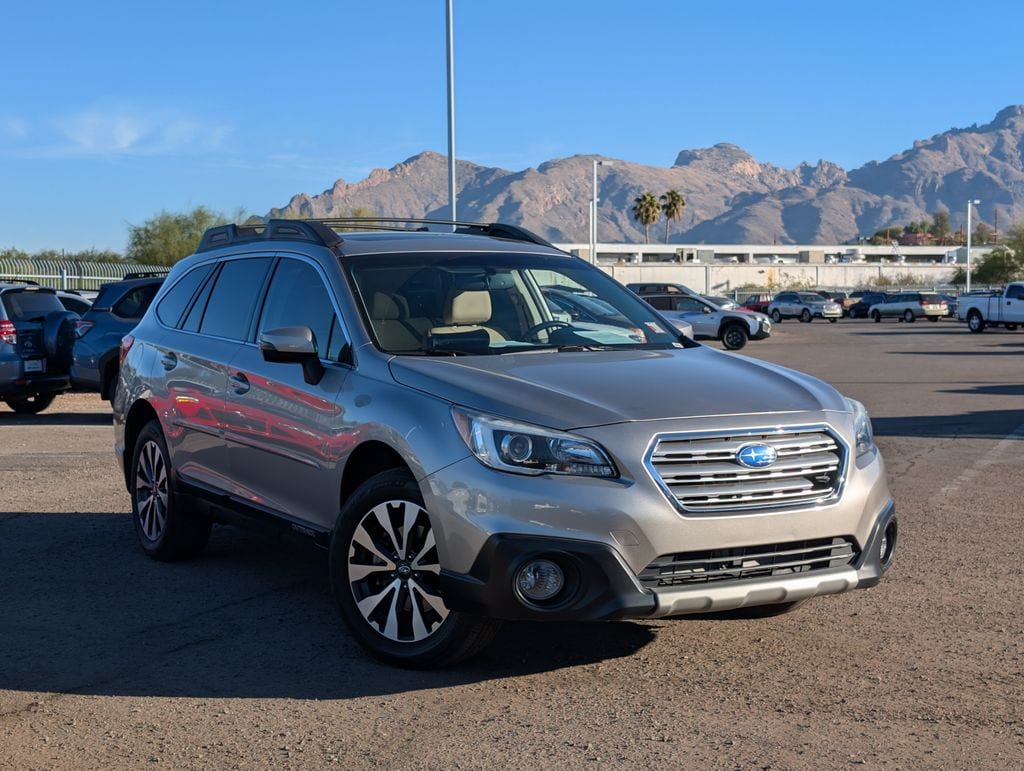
<point x="109" y="660"/>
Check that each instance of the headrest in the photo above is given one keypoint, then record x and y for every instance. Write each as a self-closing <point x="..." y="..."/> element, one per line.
<point x="384" y="308"/>
<point x="470" y="307"/>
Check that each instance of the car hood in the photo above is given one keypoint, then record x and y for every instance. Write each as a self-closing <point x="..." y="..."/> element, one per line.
<point x="576" y="390"/>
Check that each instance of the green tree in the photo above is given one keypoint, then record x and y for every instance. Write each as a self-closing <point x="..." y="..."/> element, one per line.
<point x="169" y="236"/>
<point x="646" y="211"/>
<point x="672" y="205"/>
<point x="982" y="233"/>
<point x="940" y="225"/>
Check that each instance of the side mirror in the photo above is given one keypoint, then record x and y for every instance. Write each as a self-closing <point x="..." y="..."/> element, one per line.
<point x="293" y="345"/>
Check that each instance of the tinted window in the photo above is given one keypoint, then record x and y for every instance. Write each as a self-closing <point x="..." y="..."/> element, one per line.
<point x="929" y="299"/>
<point x="298" y="297"/>
<point x="785" y="297"/>
<point x="25" y="304"/>
<point x="811" y="297"/>
<point x="689" y="305"/>
<point x="233" y="298"/>
<point x="177" y="299"/>
<point x="194" y="317"/>
<point x="134" y="304"/>
<point x="74" y="304"/>
<point x="1015" y="292"/>
<point x="661" y="303"/>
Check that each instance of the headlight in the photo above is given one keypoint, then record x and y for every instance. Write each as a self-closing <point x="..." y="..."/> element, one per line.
<point x="863" y="434"/>
<point x="525" y="449"/>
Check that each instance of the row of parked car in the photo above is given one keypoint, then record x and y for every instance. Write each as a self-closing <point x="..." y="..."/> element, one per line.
<point x="861" y="304"/>
<point x="51" y="340"/>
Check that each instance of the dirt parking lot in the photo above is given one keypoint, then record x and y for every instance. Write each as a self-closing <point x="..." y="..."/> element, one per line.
<point x="110" y="660"/>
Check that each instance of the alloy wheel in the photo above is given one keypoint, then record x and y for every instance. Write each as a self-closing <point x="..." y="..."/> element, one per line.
<point x="151" y="491"/>
<point x="394" y="572"/>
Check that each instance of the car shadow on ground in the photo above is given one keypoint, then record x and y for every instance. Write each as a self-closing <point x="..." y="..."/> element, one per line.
<point x="84" y="611"/>
<point x="55" y="418"/>
<point x="971" y="425"/>
<point x="1000" y="389"/>
<point x="909" y="329"/>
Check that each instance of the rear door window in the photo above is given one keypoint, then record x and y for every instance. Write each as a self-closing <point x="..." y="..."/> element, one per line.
<point x="229" y="310"/>
<point x="29" y="304"/>
<point x="930" y="299"/>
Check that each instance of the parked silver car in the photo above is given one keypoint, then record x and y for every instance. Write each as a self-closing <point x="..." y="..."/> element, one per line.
<point x="805" y="306"/>
<point x="409" y="401"/>
<point x="711" y="322"/>
<point x="910" y="306"/>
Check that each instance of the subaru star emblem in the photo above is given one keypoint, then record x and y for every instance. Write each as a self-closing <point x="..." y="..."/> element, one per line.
<point x="756" y="456"/>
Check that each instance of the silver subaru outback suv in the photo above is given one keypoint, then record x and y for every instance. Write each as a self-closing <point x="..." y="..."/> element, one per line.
<point x="408" y="400"/>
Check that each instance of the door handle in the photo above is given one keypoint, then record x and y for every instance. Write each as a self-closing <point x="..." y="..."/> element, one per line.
<point x="239" y="383"/>
<point x="169" y="361"/>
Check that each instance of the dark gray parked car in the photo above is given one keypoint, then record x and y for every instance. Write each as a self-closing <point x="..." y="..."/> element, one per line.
<point x="36" y="335"/>
<point x="409" y="400"/>
<point x="114" y="313"/>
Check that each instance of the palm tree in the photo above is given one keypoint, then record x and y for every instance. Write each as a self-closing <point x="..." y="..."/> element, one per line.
<point x="672" y="204"/>
<point x="646" y="211"/>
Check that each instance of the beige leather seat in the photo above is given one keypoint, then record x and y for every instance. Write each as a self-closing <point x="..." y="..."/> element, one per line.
<point x="392" y="331"/>
<point x="467" y="312"/>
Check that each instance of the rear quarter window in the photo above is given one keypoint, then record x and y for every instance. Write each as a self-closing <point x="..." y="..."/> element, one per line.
<point x="174" y="303"/>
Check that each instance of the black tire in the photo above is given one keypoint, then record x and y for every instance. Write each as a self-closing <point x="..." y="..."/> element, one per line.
<point x="32" y="404"/>
<point x="777" y="316"/>
<point x="933" y="318"/>
<point x="806" y="317"/>
<point x="733" y="336"/>
<point x="407" y="594"/>
<point x="1011" y="327"/>
<point x="876" y="316"/>
<point x="908" y="316"/>
<point x="832" y="321"/>
<point x="166" y="529"/>
<point x="975" y="322"/>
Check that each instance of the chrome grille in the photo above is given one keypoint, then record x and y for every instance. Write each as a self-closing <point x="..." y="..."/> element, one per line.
<point x="702" y="474"/>
<point x="779" y="559"/>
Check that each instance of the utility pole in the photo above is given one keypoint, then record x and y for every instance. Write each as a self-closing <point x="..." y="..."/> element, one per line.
<point x="995" y="235"/>
<point x="451" y="111"/>
<point x="973" y="202"/>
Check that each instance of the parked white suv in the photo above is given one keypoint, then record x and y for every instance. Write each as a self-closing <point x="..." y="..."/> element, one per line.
<point x="805" y="306"/>
<point x="910" y="306"/>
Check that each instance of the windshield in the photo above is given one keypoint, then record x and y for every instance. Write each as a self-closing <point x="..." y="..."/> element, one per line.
<point x="810" y="297"/>
<point x="486" y="304"/>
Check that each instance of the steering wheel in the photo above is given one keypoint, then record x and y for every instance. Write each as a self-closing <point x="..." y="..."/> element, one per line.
<point x="536" y="329"/>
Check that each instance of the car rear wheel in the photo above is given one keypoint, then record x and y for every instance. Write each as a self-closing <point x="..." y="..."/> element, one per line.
<point x="852" y="313"/>
<point x="933" y="318"/>
<point x="876" y="316"/>
<point x="1011" y="327"/>
<point x="31" y="404"/>
<point x="385" y="573"/>
<point x="908" y="316"/>
<point x="975" y="322"/>
<point x="832" y="321"/>
<point x="734" y="337"/>
<point x="165" y="528"/>
<point x="806" y="316"/>
<point x="777" y="316"/>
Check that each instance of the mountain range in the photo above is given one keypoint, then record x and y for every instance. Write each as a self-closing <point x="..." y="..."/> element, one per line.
<point x="730" y="196"/>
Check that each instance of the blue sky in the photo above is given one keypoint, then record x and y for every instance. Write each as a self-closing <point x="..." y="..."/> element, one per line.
<point x="112" y="111"/>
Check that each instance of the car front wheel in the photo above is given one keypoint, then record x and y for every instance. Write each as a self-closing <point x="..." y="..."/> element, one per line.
<point x="806" y="316"/>
<point x="734" y="337"/>
<point x="777" y="316"/>
<point x="165" y="528"/>
<point x="386" y="577"/>
<point x="975" y="322"/>
<point x="876" y="316"/>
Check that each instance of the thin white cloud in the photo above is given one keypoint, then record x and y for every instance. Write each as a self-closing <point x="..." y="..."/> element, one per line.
<point x="14" y="127"/>
<point x="135" y="131"/>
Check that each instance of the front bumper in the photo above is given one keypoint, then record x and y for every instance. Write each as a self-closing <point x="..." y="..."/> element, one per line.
<point x="599" y="585"/>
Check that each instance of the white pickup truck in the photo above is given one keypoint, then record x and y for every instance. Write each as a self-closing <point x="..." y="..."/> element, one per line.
<point x="1006" y="308"/>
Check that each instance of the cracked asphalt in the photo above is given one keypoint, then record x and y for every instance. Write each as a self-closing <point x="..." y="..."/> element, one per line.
<point x="238" y="660"/>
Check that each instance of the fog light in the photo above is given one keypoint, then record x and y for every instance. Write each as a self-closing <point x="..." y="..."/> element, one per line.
<point x="887" y="546"/>
<point x="539" y="580"/>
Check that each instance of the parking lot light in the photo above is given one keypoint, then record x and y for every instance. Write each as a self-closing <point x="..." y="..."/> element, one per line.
<point x="971" y="202"/>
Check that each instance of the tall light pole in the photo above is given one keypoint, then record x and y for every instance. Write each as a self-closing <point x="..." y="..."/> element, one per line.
<point x="451" y="111"/>
<point x="970" y="203"/>
<point x="593" y="212"/>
